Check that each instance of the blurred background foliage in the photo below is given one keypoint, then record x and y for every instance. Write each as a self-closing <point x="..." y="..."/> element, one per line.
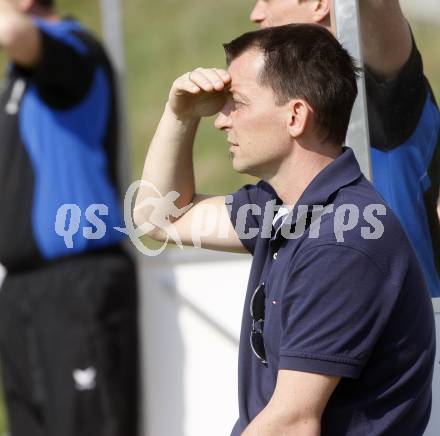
<point x="166" y="38"/>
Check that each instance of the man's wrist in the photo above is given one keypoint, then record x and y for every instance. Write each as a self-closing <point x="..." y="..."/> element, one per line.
<point x="186" y="119"/>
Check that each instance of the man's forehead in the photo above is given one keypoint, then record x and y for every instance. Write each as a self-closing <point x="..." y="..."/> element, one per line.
<point x="245" y="69"/>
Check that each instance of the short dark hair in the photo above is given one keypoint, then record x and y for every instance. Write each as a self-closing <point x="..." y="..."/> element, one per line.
<point x="46" y="3"/>
<point x="306" y="61"/>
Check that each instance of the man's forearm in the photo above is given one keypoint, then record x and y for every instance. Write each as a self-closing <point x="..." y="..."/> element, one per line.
<point x="272" y="423"/>
<point x="386" y="38"/>
<point x="19" y="36"/>
<point x="9" y="18"/>
<point x="169" y="162"/>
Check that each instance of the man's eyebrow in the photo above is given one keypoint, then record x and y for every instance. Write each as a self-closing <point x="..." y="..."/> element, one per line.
<point x="239" y="94"/>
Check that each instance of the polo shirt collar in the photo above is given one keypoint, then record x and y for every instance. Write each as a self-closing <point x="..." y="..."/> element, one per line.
<point x="341" y="172"/>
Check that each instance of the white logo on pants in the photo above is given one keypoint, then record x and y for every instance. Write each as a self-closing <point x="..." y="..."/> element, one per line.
<point x="85" y="379"/>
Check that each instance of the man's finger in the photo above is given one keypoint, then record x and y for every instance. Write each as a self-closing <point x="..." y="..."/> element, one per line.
<point x="206" y="79"/>
<point x="225" y="76"/>
<point x="218" y="79"/>
<point x="203" y="79"/>
<point x="184" y="84"/>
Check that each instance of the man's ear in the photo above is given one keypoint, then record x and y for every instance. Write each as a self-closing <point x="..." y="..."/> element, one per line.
<point x="322" y="12"/>
<point x="298" y="117"/>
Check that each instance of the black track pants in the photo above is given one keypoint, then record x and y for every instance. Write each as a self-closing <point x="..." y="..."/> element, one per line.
<point x="68" y="347"/>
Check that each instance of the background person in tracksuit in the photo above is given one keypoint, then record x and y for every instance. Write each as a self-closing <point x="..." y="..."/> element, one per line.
<point x="68" y="340"/>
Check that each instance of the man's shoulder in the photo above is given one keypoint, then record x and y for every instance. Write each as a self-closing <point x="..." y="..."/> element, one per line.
<point x="261" y="190"/>
<point x="255" y="197"/>
<point x="359" y="220"/>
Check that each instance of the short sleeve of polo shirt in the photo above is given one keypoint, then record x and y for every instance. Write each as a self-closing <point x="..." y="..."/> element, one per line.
<point x="247" y="207"/>
<point x="66" y="68"/>
<point x="395" y="105"/>
<point x="334" y="308"/>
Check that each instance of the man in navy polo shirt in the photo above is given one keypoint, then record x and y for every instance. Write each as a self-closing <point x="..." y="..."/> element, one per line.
<point x="338" y="333"/>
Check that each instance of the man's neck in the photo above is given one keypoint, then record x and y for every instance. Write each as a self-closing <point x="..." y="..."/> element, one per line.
<point x="297" y="172"/>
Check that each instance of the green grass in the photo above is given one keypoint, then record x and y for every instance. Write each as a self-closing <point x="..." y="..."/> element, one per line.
<point x="166" y="38"/>
<point x="428" y="40"/>
<point x="3" y="421"/>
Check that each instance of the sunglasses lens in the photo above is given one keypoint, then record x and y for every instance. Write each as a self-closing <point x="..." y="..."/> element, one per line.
<point x="257" y="345"/>
<point x="258" y="303"/>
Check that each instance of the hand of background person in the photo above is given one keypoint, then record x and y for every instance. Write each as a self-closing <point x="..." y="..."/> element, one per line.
<point x="19" y="37"/>
<point x="199" y="93"/>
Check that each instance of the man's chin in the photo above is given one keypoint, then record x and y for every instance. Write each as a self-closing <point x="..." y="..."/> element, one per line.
<point x="242" y="168"/>
<point x="239" y="168"/>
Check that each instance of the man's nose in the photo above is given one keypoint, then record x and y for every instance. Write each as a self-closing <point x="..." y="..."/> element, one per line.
<point x="258" y="14"/>
<point x="223" y="120"/>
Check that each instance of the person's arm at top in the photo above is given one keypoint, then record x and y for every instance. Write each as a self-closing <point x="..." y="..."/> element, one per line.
<point x="19" y="37"/>
<point x="169" y="164"/>
<point x="386" y="37"/>
<point x="59" y="63"/>
<point x="296" y="406"/>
